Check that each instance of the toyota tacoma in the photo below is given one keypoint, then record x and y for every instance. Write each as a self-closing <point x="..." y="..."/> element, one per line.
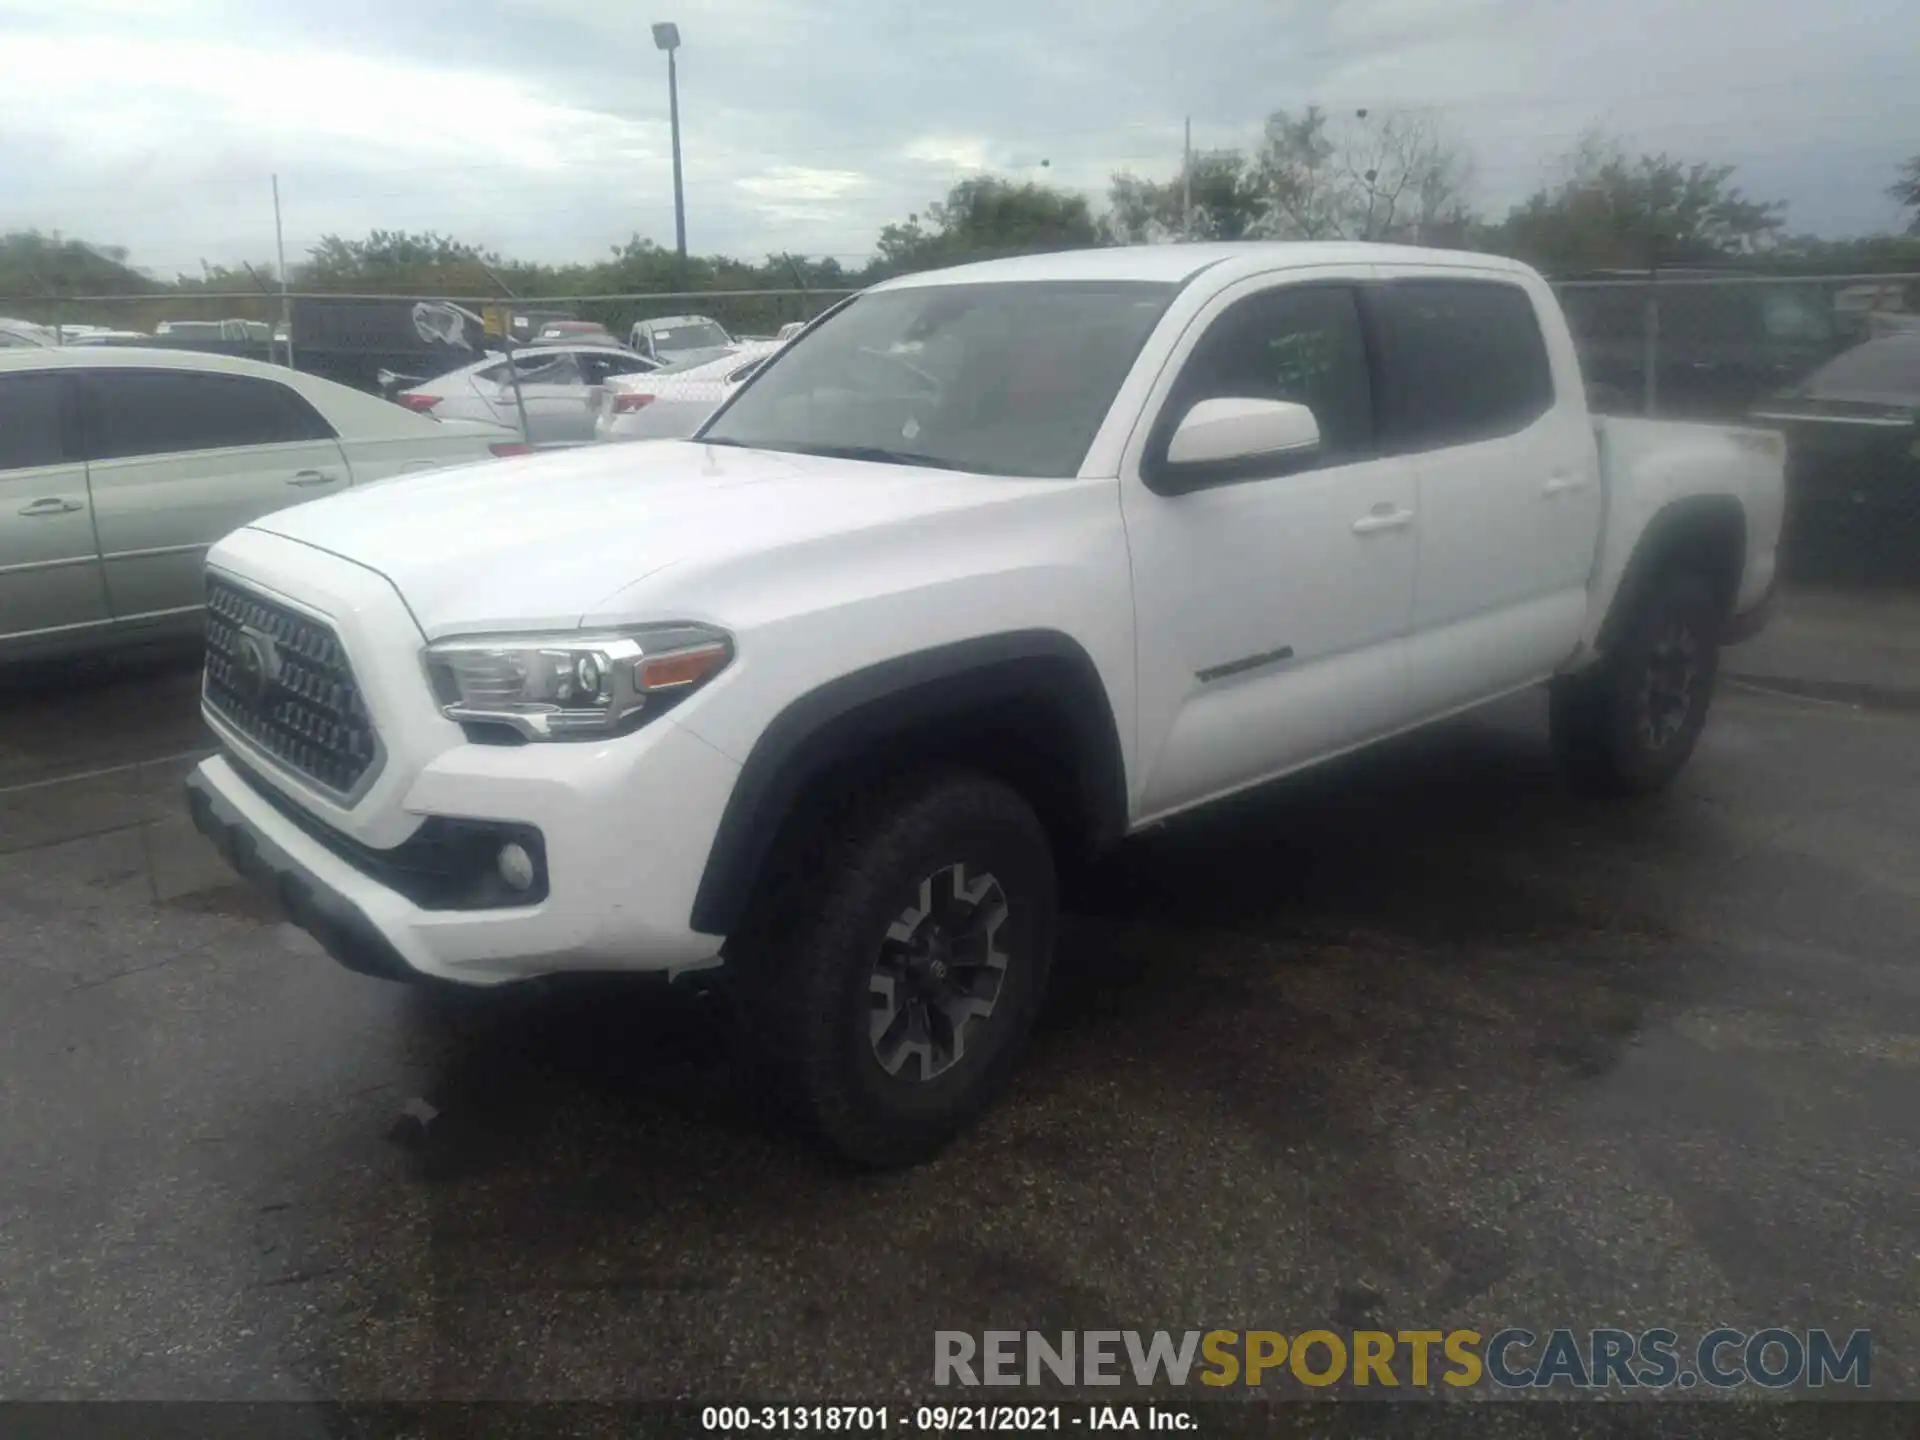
<point x="987" y="570"/>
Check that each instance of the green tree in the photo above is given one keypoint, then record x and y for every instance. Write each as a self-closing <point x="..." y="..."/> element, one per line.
<point x="1226" y="203"/>
<point x="1612" y="212"/>
<point x="984" y="216"/>
<point x="33" y="264"/>
<point x="399" y="259"/>
<point x="1906" y="192"/>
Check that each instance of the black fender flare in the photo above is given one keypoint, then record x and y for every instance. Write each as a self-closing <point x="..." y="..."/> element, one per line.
<point x="860" y="712"/>
<point x="1674" y="529"/>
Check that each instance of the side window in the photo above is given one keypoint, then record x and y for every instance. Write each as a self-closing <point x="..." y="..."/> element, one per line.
<point x="1795" y="315"/>
<point x="165" y="412"/>
<point x="1301" y="343"/>
<point x="30" y="421"/>
<point x="599" y="368"/>
<point x="546" y="369"/>
<point x="1461" y="360"/>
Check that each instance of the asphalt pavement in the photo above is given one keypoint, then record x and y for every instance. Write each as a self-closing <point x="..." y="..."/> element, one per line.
<point x="1421" y="1041"/>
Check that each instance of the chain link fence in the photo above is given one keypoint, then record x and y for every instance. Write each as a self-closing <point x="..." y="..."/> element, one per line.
<point x="1831" y="360"/>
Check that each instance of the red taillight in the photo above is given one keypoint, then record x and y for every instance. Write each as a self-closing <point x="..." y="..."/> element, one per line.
<point x="419" y="404"/>
<point x="627" y="401"/>
<point x="511" y="447"/>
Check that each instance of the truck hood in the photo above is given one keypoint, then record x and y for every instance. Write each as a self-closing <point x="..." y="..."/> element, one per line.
<point x="541" y="541"/>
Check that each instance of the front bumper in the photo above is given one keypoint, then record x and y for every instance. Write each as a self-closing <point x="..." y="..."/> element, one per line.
<point x="341" y="926"/>
<point x="625" y="824"/>
<point x="627" y="827"/>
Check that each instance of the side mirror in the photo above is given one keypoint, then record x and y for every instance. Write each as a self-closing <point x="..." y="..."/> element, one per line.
<point x="1233" y="439"/>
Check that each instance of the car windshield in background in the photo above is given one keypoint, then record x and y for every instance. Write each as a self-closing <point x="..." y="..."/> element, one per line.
<point x="689" y="337"/>
<point x="1003" y="379"/>
<point x="1880" y="369"/>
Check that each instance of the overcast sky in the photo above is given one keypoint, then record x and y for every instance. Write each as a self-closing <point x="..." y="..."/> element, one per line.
<point x="539" y="127"/>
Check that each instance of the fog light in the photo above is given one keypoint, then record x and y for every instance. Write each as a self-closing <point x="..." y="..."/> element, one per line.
<point x="516" y="866"/>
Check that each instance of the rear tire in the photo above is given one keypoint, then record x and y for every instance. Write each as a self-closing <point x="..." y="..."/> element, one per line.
<point x="891" y="981"/>
<point x="1628" y="725"/>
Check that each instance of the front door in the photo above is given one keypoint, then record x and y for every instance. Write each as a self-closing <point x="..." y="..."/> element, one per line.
<point x="49" y="564"/>
<point x="1270" y="611"/>
<point x="181" y="458"/>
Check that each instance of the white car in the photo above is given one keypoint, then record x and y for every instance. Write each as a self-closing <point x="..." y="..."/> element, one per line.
<point x="119" y="467"/>
<point x="991" y="566"/>
<point x="24" y="335"/>
<point x="559" y="387"/>
<point x="671" y="404"/>
<point x="680" y="339"/>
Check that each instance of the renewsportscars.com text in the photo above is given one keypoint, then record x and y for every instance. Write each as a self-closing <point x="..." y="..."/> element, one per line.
<point x="1509" y="1359"/>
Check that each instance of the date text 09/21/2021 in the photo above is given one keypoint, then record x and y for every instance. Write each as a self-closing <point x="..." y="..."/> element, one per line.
<point x="797" y="1419"/>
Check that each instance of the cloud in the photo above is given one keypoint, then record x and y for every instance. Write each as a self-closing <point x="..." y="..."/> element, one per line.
<point x="539" y="127"/>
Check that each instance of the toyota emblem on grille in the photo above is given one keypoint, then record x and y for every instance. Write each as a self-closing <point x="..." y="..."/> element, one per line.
<point x="257" y="663"/>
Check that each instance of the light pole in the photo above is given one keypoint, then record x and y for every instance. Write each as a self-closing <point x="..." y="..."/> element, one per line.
<point x="666" y="36"/>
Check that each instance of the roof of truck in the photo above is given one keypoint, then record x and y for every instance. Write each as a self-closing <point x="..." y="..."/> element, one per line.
<point x="1176" y="264"/>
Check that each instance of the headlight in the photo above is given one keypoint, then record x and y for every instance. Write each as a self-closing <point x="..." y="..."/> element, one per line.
<point x="574" y="686"/>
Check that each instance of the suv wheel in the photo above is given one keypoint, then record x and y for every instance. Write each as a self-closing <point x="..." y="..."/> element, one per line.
<point x="1627" y="726"/>
<point x="893" y="984"/>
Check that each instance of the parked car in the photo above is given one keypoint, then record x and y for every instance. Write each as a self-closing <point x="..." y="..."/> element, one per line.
<point x="680" y="339"/>
<point x="673" y="402"/>
<point x="574" y="332"/>
<point x="23" y="335"/>
<point x="1721" y="344"/>
<point x="245" y="331"/>
<point x="1853" y="462"/>
<point x="559" y="386"/>
<point x="992" y="565"/>
<point x="119" y="467"/>
<point x="103" y="336"/>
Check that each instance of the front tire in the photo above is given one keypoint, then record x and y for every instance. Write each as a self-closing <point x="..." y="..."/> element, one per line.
<point x="892" y="984"/>
<point x="1627" y="726"/>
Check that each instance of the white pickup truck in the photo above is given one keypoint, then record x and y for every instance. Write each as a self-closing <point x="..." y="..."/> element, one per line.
<point x="990" y="568"/>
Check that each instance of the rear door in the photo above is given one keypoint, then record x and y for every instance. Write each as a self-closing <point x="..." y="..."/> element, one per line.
<point x="178" y="458"/>
<point x="49" y="562"/>
<point x="552" y="388"/>
<point x="1509" y="477"/>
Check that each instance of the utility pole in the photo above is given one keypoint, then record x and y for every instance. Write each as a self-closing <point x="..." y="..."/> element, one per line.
<point x="666" y="36"/>
<point x="1186" y="184"/>
<point x="280" y="260"/>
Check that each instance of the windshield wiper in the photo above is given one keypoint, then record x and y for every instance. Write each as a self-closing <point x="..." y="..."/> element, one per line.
<point x="878" y="453"/>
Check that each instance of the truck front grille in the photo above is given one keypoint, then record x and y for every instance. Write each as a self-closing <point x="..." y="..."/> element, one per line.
<point x="281" y="679"/>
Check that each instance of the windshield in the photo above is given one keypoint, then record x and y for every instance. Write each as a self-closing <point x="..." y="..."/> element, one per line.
<point x="1004" y="379"/>
<point x="1879" y="368"/>
<point x="704" y="336"/>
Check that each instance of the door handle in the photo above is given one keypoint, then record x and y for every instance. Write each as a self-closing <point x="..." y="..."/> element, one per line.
<point x="1560" y="484"/>
<point x="1384" y="516"/>
<point x="310" y="477"/>
<point x="51" y="505"/>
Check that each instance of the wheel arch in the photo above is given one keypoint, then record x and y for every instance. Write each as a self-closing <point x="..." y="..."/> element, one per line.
<point x="1028" y="706"/>
<point x="1704" y="533"/>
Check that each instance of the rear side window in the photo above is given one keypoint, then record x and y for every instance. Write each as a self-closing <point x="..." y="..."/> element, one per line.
<point x="30" y="421"/>
<point x="1462" y="360"/>
<point x="164" y="412"/>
